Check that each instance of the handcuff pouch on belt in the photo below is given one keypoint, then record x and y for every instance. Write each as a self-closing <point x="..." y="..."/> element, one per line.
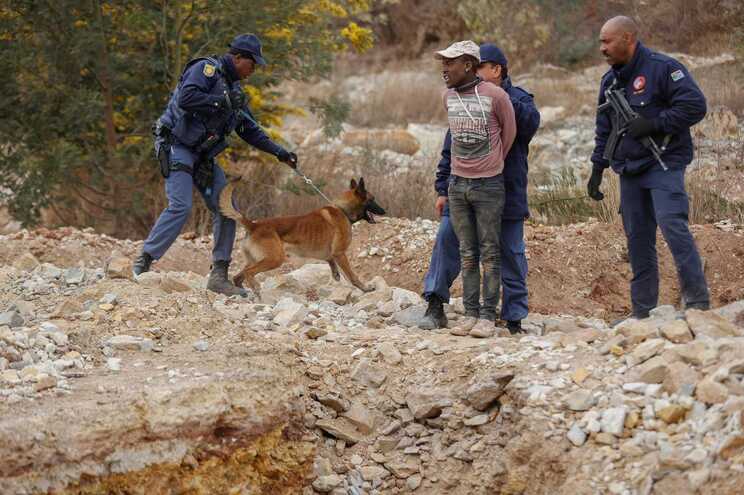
<point x="163" y="139"/>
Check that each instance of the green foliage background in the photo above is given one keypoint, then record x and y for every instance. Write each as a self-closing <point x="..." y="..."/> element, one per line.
<point x="84" y="80"/>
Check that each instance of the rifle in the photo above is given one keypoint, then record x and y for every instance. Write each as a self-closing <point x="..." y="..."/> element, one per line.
<point x="624" y="114"/>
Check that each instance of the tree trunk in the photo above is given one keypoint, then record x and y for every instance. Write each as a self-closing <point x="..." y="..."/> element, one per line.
<point x="104" y="77"/>
<point x="177" y="48"/>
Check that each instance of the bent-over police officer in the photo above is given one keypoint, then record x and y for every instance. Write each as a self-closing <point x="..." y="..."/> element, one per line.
<point x="650" y="152"/>
<point x="206" y="106"/>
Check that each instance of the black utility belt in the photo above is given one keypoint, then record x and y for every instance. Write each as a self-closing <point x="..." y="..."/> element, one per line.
<point x="180" y="167"/>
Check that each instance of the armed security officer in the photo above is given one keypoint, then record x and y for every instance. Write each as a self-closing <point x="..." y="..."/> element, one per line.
<point x="652" y="191"/>
<point x="206" y="106"/>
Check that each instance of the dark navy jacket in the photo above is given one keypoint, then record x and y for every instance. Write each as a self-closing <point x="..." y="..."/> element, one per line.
<point x="515" y="164"/>
<point x="659" y="88"/>
<point x="198" y="107"/>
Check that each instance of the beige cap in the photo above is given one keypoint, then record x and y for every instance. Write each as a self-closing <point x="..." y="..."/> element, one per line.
<point x="460" y="48"/>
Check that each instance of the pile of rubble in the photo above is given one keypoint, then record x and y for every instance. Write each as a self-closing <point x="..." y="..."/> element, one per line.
<point x="574" y="406"/>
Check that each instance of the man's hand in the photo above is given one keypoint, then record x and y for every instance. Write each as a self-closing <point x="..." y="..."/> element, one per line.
<point x="440" y="204"/>
<point x="641" y="127"/>
<point x="592" y="187"/>
<point x="287" y="157"/>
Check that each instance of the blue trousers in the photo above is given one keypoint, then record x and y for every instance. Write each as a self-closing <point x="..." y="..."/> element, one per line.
<point x="178" y="189"/>
<point x="658" y="198"/>
<point x="444" y="266"/>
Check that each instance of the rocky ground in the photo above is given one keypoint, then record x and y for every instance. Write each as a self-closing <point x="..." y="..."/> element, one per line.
<point x="111" y="385"/>
<point x="154" y="385"/>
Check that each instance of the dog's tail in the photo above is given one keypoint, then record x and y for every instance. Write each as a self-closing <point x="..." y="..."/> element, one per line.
<point x="226" y="205"/>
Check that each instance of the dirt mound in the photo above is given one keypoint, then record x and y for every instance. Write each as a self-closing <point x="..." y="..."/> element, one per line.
<point x="315" y="387"/>
<point x="577" y="269"/>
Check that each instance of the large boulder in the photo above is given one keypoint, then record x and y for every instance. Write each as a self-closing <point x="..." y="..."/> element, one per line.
<point x="397" y="140"/>
<point x="710" y="324"/>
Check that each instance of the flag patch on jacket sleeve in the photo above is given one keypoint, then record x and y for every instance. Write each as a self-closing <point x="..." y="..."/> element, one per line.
<point x="677" y="75"/>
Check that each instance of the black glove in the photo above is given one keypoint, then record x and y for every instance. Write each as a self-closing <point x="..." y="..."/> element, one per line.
<point x="287" y="157"/>
<point x="641" y="127"/>
<point x="592" y="187"/>
<point x="236" y="98"/>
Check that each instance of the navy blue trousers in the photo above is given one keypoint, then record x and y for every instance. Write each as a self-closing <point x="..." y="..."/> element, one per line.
<point x="178" y="189"/>
<point x="658" y="198"/>
<point x="444" y="266"/>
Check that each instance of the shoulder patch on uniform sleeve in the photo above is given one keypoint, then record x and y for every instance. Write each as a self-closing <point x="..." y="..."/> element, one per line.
<point x="208" y="70"/>
<point x="677" y="75"/>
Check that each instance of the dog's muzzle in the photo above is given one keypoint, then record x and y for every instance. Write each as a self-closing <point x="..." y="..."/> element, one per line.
<point x="371" y="208"/>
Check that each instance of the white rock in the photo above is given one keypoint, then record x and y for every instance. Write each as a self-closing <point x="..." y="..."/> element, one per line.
<point x="593" y="426"/>
<point x="325" y="484"/>
<point x="580" y="400"/>
<point x="698" y="478"/>
<point x="576" y="435"/>
<point x="617" y="488"/>
<point x="201" y="345"/>
<point x="479" y="420"/>
<point x="636" y="387"/>
<point x="613" y="420"/>
<point x="414" y="482"/>
<point x="130" y="342"/>
<point x="312" y="275"/>
<point x="697" y="456"/>
<point x="114" y="364"/>
<point x="59" y="338"/>
<point x="389" y="353"/>
<point x="405" y="298"/>
<point x="48" y="326"/>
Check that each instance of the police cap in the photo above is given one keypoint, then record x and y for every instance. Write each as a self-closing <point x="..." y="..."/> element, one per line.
<point x="248" y="44"/>
<point x="491" y="53"/>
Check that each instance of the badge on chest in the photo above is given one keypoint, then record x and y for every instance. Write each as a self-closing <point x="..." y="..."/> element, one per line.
<point x="639" y="84"/>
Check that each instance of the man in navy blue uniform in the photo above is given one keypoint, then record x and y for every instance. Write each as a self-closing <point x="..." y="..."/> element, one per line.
<point x="668" y="102"/>
<point x="206" y="106"/>
<point x="445" y="257"/>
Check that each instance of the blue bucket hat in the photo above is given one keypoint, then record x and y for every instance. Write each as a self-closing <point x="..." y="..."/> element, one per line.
<point x="248" y="44"/>
<point x="491" y="53"/>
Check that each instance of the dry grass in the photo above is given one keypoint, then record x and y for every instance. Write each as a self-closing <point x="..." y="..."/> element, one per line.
<point x="709" y="204"/>
<point x="272" y="190"/>
<point x="558" y="91"/>
<point x="399" y="101"/>
<point x="723" y="85"/>
<point x="564" y="200"/>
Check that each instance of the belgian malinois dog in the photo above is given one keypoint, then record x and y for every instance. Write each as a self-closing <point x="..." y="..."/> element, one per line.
<point x="323" y="234"/>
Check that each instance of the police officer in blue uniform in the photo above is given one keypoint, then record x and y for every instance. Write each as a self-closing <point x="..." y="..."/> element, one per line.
<point x="206" y="106"/>
<point x="445" y="257"/>
<point x="652" y="192"/>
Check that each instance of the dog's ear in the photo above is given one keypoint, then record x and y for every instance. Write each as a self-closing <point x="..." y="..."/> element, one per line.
<point x="353" y="184"/>
<point x="361" y="185"/>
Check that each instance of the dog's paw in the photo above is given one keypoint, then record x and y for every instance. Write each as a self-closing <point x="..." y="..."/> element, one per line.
<point x="336" y="276"/>
<point x="238" y="280"/>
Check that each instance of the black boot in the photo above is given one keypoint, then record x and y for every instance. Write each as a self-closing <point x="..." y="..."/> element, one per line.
<point x="142" y="264"/>
<point x="702" y="306"/>
<point x="434" y="316"/>
<point x="514" y="326"/>
<point x="219" y="283"/>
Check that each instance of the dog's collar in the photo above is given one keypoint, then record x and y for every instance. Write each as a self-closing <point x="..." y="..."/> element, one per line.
<point x="346" y="214"/>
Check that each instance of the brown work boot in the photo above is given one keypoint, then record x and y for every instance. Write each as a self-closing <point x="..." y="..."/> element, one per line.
<point x="219" y="283"/>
